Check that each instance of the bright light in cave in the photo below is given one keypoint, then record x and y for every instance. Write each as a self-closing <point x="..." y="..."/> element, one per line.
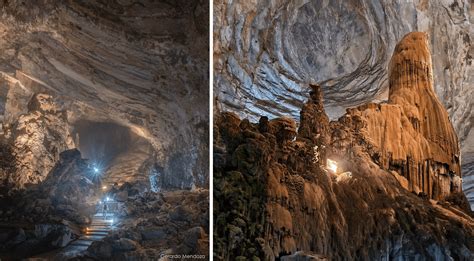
<point x="332" y="165"/>
<point x="96" y="170"/>
<point x="104" y="187"/>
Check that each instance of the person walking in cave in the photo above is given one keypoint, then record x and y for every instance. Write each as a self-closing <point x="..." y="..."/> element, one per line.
<point x="104" y="211"/>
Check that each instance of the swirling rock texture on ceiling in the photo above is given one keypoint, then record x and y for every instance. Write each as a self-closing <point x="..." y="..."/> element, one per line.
<point x="140" y="64"/>
<point x="265" y="53"/>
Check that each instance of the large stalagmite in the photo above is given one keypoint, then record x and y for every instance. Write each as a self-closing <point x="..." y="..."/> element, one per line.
<point x="412" y="134"/>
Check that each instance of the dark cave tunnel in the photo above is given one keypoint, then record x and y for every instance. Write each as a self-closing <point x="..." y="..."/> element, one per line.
<point x="113" y="150"/>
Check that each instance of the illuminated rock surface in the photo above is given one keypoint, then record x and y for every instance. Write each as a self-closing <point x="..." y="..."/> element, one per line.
<point x="50" y="212"/>
<point x="126" y="84"/>
<point x="151" y="225"/>
<point x="275" y="195"/>
<point x="142" y="65"/>
<point x="37" y="138"/>
<point x="410" y="135"/>
<point x="266" y="52"/>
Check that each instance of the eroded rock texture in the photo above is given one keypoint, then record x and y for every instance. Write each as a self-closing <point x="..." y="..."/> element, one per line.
<point x="274" y="196"/>
<point x="278" y="193"/>
<point x="36" y="140"/>
<point x="139" y="64"/>
<point x="411" y="134"/>
<point x="266" y="52"/>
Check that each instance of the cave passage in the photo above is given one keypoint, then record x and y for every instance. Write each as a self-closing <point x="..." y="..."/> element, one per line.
<point x="115" y="152"/>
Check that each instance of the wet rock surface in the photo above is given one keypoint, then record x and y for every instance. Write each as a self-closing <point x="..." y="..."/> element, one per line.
<point x="277" y="193"/>
<point x="152" y="225"/>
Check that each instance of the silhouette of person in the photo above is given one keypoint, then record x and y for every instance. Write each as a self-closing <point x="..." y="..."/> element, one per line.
<point x="105" y="210"/>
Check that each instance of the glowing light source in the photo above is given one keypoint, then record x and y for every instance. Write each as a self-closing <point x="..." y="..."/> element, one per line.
<point x="332" y="165"/>
<point x="104" y="187"/>
<point x="108" y="199"/>
<point x="96" y="170"/>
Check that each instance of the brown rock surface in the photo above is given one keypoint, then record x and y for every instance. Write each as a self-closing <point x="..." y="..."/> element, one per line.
<point x="412" y="134"/>
<point x="275" y="195"/>
<point x="36" y="140"/>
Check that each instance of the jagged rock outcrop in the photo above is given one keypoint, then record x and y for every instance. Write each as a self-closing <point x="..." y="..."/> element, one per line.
<point x="278" y="192"/>
<point x="153" y="225"/>
<point x="274" y="197"/>
<point x="266" y="52"/>
<point x="68" y="192"/>
<point x="36" y="139"/>
<point x="411" y="135"/>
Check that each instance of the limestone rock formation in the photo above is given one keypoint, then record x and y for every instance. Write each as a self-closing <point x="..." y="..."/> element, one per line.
<point x="412" y="135"/>
<point x="273" y="198"/>
<point x="36" y="139"/>
<point x="278" y="194"/>
<point x="265" y="53"/>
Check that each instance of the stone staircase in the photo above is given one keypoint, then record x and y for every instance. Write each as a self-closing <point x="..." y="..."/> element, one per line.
<point x="97" y="230"/>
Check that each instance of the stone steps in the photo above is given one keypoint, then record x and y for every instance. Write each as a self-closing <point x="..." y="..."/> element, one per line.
<point x="97" y="230"/>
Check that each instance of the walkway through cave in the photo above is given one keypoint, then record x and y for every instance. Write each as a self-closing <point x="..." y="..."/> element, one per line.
<point x="119" y="154"/>
<point x="99" y="227"/>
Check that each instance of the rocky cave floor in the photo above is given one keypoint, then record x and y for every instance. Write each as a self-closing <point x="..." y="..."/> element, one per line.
<point x="44" y="219"/>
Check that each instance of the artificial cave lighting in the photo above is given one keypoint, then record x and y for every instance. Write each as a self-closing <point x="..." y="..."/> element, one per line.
<point x="331" y="165"/>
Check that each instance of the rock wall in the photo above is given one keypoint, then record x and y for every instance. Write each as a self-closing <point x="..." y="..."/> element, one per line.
<point x="51" y="214"/>
<point x="36" y="139"/>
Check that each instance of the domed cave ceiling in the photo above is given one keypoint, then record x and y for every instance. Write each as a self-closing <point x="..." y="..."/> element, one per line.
<point x="266" y="52"/>
<point x="137" y="67"/>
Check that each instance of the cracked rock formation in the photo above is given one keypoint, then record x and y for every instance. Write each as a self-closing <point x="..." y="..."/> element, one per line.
<point x="138" y="64"/>
<point x="36" y="139"/>
<point x="266" y="52"/>
<point x="52" y="212"/>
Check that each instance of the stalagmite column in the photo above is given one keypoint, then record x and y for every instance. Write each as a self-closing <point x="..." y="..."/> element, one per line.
<point x="413" y="133"/>
<point x="411" y="87"/>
